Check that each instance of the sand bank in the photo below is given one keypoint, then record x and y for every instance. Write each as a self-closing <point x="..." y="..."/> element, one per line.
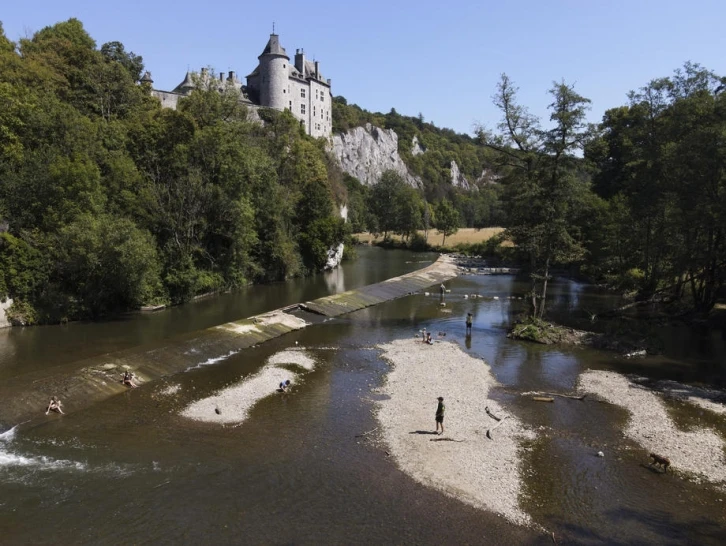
<point x="699" y="451"/>
<point x="297" y="357"/>
<point x="481" y="472"/>
<point x="232" y="405"/>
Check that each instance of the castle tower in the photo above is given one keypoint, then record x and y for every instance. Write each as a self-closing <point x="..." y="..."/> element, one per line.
<point x="274" y="74"/>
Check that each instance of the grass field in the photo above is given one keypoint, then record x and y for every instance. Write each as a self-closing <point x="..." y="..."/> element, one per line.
<point x="464" y="235"/>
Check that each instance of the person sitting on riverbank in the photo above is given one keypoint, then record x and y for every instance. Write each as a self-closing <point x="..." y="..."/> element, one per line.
<point x="128" y="379"/>
<point x="428" y="339"/>
<point x="54" y="405"/>
<point x="284" y="385"/>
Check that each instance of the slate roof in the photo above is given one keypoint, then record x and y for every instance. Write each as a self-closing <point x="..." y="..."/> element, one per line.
<point x="273" y="47"/>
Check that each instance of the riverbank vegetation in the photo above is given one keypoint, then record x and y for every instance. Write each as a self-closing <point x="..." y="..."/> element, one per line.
<point x="636" y="203"/>
<point x="108" y="201"/>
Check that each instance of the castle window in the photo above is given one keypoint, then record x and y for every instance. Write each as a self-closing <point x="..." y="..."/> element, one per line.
<point x="284" y="91"/>
<point x="302" y="108"/>
<point x="313" y="110"/>
<point x="290" y="105"/>
<point x="302" y="93"/>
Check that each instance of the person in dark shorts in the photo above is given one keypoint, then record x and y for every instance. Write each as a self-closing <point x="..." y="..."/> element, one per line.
<point x="469" y="322"/>
<point x="440" y="409"/>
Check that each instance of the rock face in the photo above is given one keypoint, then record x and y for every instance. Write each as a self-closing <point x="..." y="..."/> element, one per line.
<point x="457" y="178"/>
<point x="4" y="306"/>
<point x="416" y="148"/>
<point x="367" y="152"/>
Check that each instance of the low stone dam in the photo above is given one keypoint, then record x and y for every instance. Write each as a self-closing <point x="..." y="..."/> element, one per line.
<point x="81" y="384"/>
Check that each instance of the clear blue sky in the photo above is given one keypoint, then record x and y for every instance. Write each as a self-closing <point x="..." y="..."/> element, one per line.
<point x="442" y="59"/>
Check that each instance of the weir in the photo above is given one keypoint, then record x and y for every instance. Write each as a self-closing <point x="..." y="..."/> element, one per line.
<point x="81" y="384"/>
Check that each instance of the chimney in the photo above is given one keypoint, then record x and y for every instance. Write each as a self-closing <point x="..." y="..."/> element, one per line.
<point x="317" y="70"/>
<point x="204" y="72"/>
<point x="221" y="76"/>
<point x="231" y="75"/>
<point x="300" y="61"/>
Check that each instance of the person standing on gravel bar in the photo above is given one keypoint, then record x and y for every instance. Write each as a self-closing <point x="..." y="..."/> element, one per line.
<point x="440" y="409"/>
<point x="469" y="322"/>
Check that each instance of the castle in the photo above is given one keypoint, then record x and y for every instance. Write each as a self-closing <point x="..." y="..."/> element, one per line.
<point x="274" y="83"/>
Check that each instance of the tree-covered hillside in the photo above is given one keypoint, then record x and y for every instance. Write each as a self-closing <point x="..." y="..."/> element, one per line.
<point x="479" y="207"/>
<point x="108" y="202"/>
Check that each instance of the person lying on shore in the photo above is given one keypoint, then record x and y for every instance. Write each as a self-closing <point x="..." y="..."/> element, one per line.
<point x="128" y="379"/>
<point x="54" y="405"/>
<point x="284" y="385"/>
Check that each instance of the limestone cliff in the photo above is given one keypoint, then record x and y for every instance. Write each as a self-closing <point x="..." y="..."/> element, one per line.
<point x="367" y="152"/>
<point x="4" y="306"/>
<point x="457" y="177"/>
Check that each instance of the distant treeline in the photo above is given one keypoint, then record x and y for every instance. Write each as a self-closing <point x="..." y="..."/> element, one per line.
<point x="109" y="202"/>
<point x="637" y="202"/>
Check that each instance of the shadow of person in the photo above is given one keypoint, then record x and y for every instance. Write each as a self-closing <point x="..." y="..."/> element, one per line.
<point x="467" y="341"/>
<point x="422" y="432"/>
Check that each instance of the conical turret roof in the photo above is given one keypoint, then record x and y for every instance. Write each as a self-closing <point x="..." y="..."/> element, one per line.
<point x="187" y="83"/>
<point x="273" y="47"/>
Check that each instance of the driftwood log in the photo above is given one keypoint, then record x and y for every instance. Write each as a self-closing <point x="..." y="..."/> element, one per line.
<point x="489" y="432"/>
<point x="543" y="399"/>
<point x="570" y="396"/>
<point x="490" y="414"/>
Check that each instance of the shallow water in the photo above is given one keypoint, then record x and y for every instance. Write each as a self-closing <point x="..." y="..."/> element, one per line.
<point x="131" y="470"/>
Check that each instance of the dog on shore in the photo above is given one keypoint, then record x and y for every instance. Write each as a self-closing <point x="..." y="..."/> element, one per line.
<point x="658" y="460"/>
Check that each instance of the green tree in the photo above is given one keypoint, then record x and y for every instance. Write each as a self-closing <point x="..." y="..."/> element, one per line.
<point x="447" y="219"/>
<point x="544" y="191"/>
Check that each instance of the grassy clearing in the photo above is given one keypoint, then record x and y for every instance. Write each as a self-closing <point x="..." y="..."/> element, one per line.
<point x="463" y="236"/>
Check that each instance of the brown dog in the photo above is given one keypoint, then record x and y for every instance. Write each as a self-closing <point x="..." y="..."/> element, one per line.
<point x="662" y="461"/>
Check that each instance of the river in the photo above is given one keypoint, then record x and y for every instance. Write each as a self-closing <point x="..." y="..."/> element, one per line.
<point x="132" y="470"/>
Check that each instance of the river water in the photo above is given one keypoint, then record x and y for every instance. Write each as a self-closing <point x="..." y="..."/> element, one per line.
<point x="132" y="470"/>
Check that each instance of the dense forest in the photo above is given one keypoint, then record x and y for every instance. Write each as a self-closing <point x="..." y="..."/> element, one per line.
<point x="109" y="202"/>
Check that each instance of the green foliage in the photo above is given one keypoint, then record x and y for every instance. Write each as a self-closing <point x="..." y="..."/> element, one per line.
<point x="660" y="164"/>
<point x="447" y="219"/>
<point x="545" y="189"/>
<point x="107" y="263"/>
<point x="113" y="202"/>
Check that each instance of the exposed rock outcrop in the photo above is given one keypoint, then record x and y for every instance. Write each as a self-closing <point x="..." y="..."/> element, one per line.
<point x="457" y="178"/>
<point x="367" y="152"/>
<point x="416" y="148"/>
<point x="4" y="306"/>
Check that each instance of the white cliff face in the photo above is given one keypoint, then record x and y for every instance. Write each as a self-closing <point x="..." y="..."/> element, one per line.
<point x="458" y="179"/>
<point x="335" y="256"/>
<point x="4" y="306"/>
<point x="367" y="152"/>
<point x="416" y="148"/>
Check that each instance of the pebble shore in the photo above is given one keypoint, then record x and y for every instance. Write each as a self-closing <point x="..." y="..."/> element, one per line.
<point x="232" y="405"/>
<point x="463" y="463"/>
<point x="699" y="451"/>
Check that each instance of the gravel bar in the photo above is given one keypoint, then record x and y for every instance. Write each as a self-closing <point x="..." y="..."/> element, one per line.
<point x="478" y="471"/>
